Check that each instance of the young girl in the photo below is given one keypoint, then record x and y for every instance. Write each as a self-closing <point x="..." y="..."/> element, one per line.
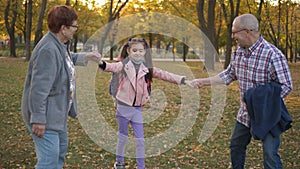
<point x="133" y="91"/>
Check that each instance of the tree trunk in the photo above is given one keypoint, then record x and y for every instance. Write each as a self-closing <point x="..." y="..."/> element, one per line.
<point x="113" y="14"/>
<point x="75" y="42"/>
<point x="296" y="41"/>
<point x="68" y="3"/>
<point x="158" y="46"/>
<point x="39" y="27"/>
<point x="10" y="27"/>
<point x="185" y="49"/>
<point x="229" y="17"/>
<point x="150" y="40"/>
<point x="260" y="10"/>
<point x="113" y="37"/>
<point x="286" y="30"/>
<point x="168" y="47"/>
<point x="278" y="23"/>
<point x="209" y="30"/>
<point x="218" y="33"/>
<point x="270" y="32"/>
<point x="75" y="37"/>
<point x="28" y="31"/>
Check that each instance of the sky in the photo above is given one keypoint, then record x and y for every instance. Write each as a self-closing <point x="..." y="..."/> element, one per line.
<point x="99" y="2"/>
<point x="102" y="2"/>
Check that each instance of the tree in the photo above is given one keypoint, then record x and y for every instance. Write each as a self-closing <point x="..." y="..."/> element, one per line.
<point x="229" y="14"/>
<point x="114" y="13"/>
<point x="68" y="3"/>
<point x="28" y="30"/>
<point x="39" y="27"/>
<point x="89" y="22"/>
<point x="272" y="32"/>
<point x="295" y="33"/>
<point x="287" y="46"/>
<point x="183" y="10"/>
<point x="75" y="38"/>
<point x="207" y="26"/>
<point x="290" y="30"/>
<point x="11" y="8"/>
<point x="278" y="24"/>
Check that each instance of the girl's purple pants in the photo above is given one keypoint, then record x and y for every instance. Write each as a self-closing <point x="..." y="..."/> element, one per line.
<point x="130" y="115"/>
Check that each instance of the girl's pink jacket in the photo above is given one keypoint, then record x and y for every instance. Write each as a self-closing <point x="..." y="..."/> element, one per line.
<point x="134" y="86"/>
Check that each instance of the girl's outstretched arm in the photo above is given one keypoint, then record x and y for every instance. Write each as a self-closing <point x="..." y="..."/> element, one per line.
<point x="167" y="76"/>
<point x="110" y="67"/>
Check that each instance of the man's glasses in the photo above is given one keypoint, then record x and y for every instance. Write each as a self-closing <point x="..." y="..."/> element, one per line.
<point x="234" y="32"/>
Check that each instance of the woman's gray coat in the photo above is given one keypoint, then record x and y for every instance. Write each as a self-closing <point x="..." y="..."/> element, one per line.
<point x="46" y="94"/>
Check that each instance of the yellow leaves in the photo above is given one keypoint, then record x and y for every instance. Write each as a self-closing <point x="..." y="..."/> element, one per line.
<point x="17" y="147"/>
<point x="180" y="155"/>
<point x="197" y="148"/>
<point x="21" y="128"/>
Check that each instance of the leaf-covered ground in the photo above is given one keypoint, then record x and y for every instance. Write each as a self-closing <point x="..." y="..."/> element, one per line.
<point x="17" y="149"/>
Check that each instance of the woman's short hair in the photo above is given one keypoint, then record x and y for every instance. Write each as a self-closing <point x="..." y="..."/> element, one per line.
<point x="60" y="15"/>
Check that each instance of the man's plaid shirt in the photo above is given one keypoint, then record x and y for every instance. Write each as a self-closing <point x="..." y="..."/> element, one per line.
<point x="262" y="63"/>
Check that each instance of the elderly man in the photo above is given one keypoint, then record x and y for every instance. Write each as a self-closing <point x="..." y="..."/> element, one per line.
<point x="255" y="62"/>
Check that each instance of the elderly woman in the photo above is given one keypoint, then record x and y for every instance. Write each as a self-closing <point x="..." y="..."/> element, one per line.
<point x="49" y="95"/>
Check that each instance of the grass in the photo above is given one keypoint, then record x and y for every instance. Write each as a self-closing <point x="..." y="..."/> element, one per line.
<point x="17" y="149"/>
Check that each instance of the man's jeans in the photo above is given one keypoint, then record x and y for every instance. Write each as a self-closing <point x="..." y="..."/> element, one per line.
<point x="51" y="149"/>
<point x="241" y="137"/>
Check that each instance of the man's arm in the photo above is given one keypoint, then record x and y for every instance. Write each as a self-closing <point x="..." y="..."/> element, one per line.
<point x="214" y="80"/>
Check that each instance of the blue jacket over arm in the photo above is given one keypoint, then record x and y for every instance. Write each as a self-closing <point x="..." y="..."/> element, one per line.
<point x="267" y="110"/>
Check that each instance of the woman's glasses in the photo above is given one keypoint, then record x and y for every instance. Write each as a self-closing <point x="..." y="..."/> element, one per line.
<point x="74" y="26"/>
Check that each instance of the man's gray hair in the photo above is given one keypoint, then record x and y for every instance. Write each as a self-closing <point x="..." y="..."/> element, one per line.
<point x="248" y="21"/>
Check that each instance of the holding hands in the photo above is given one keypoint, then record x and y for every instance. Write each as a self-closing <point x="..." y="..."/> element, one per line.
<point x="189" y="83"/>
<point x="201" y="82"/>
<point x="196" y="83"/>
<point x="93" y="56"/>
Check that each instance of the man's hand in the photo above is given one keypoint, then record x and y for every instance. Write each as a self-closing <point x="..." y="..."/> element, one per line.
<point x="201" y="82"/>
<point x="198" y="83"/>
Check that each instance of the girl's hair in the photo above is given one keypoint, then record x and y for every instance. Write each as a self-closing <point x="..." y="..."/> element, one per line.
<point x="60" y="15"/>
<point x="148" y="59"/>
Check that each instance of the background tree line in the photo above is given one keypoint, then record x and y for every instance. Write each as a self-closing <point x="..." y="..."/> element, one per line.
<point x="23" y="22"/>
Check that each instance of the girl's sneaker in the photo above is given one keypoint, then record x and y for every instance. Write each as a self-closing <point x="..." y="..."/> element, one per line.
<point x="119" y="165"/>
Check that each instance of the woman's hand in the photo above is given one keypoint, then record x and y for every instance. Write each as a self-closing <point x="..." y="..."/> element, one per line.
<point x="38" y="130"/>
<point x="93" y="56"/>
